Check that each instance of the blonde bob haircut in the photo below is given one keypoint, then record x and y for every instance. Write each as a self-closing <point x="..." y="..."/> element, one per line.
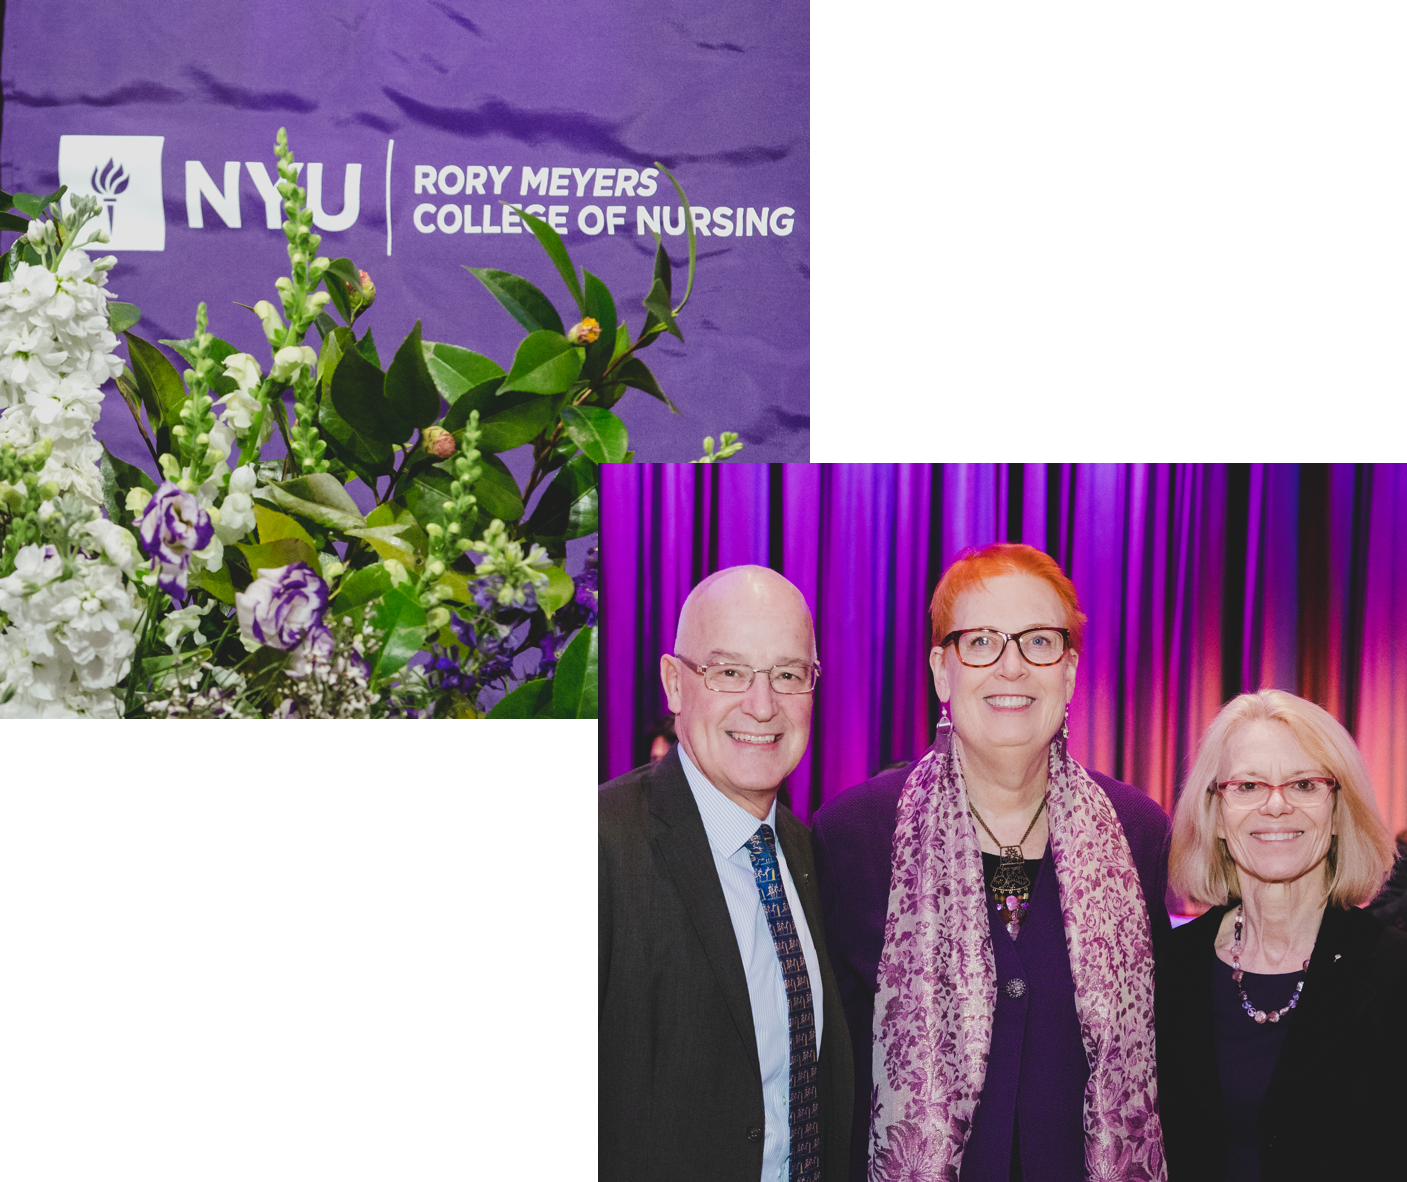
<point x="1360" y="853"/>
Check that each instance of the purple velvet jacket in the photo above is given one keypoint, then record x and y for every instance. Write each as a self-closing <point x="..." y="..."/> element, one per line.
<point x="1036" y="1070"/>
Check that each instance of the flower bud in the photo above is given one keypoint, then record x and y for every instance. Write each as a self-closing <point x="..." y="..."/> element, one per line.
<point x="49" y="490"/>
<point x="137" y="500"/>
<point x="584" y="333"/>
<point x="35" y="231"/>
<point x="364" y="296"/>
<point x="434" y="529"/>
<point x="437" y="617"/>
<point x="273" y="323"/>
<point x="435" y="568"/>
<point x="38" y="454"/>
<point x="397" y="571"/>
<point x="437" y="442"/>
<point x="10" y="496"/>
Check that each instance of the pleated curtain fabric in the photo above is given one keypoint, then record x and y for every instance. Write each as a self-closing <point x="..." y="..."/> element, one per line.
<point x="1200" y="581"/>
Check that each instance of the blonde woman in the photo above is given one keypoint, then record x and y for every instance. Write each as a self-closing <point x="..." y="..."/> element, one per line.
<point x="1282" y="1011"/>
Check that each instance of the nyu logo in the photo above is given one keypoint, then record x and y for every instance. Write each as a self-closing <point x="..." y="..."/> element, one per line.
<point x="124" y="173"/>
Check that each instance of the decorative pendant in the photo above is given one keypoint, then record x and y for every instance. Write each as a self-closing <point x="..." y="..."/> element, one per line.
<point x="1011" y="889"/>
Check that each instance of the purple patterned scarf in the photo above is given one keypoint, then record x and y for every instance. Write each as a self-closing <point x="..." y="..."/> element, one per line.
<point x="938" y="980"/>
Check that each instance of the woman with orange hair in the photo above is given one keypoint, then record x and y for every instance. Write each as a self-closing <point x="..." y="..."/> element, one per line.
<point x="1282" y="1011"/>
<point x="991" y="913"/>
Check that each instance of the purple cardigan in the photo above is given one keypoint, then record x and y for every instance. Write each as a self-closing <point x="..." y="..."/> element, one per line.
<point x="1037" y="1065"/>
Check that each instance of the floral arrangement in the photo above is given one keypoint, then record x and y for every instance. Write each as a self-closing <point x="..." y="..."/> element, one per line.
<point x="226" y="583"/>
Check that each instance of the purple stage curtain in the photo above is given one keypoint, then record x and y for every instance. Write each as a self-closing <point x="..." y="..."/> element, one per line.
<point x="1199" y="580"/>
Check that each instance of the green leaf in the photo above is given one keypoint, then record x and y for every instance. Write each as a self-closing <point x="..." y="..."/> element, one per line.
<point x="657" y="304"/>
<point x="357" y="387"/>
<point x="597" y="432"/>
<point x="361" y="586"/>
<point x="367" y="348"/>
<point x="637" y="374"/>
<point x="525" y="303"/>
<point x="341" y="272"/>
<point x="557" y="252"/>
<point x="405" y="541"/>
<point x="217" y="583"/>
<point x="622" y="342"/>
<point x="456" y="370"/>
<point x="689" y="227"/>
<point x="10" y="221"/>
<point x="119" y="478"/>
<point x="601" y="308"/>
<point x="544" y="364"/>
<point x="480" y="398"/>
<point x="559" y="592"/>
<point x="319" y="497"/>
<point x="530" y="700"/>
<point x="280" y="553"/>
<point x="272" y="526"/>
<point x="157" y="380"/>
<point x="121" y="317"/>
<point x="410" y="390"/>
<point x="569" y="507"/>
<point x="574" y="687"/>
<point x="218" y="350"/>
<point x="368" y="458"/>
<point x="34" y="205"/>
<point x="399" y="621"/>
<point x="523" y="418"/>
<point x="427" y="489"/>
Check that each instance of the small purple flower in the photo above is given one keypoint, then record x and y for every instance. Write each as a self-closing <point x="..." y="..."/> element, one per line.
<point x="283" y="609"/>
<point x="173" y="526"/>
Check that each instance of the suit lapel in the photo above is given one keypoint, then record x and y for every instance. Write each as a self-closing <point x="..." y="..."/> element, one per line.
<point x="680" y="838"/>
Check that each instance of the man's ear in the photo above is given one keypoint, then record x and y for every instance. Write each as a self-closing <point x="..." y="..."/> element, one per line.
<point x="669" y="676"/>
<point x="940" y="674"/>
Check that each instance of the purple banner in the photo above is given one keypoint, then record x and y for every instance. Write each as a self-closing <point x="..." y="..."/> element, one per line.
<point x="419" y="123"/>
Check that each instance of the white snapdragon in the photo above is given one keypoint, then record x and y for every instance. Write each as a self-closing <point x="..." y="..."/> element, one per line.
<point x="242" y="403"/>
<point x="290" y="359"/>
<point x="185" y="621"/>
<point x="236" y="514"/>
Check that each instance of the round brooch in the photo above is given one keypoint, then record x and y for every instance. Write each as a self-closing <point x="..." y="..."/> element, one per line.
<point x="1016" y="987"/>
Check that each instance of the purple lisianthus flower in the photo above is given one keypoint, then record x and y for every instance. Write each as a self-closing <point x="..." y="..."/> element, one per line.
<point x="283" y="609"/>
<point x="172" y="527"/>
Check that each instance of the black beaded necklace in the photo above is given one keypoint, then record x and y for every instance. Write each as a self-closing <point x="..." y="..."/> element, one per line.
<point x="1258" y="1015"/>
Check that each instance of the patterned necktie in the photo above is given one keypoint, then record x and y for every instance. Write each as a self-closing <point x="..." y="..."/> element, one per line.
<point x="805" y="1106"/>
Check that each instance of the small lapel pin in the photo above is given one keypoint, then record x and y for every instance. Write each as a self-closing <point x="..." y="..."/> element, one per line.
<point x="1338" y="956"/>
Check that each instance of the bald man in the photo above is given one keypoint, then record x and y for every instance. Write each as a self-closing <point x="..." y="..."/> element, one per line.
<point x="724" y="1052"/>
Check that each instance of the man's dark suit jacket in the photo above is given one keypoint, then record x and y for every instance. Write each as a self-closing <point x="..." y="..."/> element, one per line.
<point x="680" y="1086"/>
<point x="1338" y="1096"/>
<point x="854" y="840"/>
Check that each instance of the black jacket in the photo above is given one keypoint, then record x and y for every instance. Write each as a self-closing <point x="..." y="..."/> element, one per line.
<point x="1337" y="1099"/>
<point x="680" y="1089"/>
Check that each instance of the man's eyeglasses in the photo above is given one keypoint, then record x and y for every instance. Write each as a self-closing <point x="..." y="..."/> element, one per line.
<point x="1252" y="794"/>
<point x="728" y="678"/>
<point x="984" y="646"/>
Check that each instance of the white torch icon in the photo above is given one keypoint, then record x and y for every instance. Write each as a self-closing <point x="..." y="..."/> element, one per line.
<point x="108" y="183"/>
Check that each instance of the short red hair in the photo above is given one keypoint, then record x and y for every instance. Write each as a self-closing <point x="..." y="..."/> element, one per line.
<point x="973" y="567"/>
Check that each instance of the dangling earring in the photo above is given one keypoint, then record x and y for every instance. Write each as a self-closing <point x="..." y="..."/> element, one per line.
<point x="1065" y="726"/>
<point x="945" y="724"/>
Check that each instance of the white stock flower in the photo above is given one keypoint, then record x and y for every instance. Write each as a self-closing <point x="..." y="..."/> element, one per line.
<point x="57" y="353"/>
<point x="69" y="640"/>
<point x="118" y="545"/>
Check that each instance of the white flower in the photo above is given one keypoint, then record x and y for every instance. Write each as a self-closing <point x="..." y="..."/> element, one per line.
<point x="118" y="545"/>
<point x="245" y="371"/>
<point x="183" y="621"/>
<point x="236" y="512"/>
<point x="290" y="359"/>
<point x="273" y="323"/>
<point x="138" y="499"/>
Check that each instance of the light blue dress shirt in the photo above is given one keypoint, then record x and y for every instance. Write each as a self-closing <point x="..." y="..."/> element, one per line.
<point x="728" y="827"/>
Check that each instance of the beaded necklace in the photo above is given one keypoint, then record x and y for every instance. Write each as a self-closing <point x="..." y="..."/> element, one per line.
<point x="1258" y="1015"/>
<point x="1011" y="888"/>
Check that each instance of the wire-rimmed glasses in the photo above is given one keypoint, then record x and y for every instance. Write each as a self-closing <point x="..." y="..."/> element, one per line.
<point x="978" y="647"/>
<point x="729" y="677"/>
<point x="1305" y="792"/>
